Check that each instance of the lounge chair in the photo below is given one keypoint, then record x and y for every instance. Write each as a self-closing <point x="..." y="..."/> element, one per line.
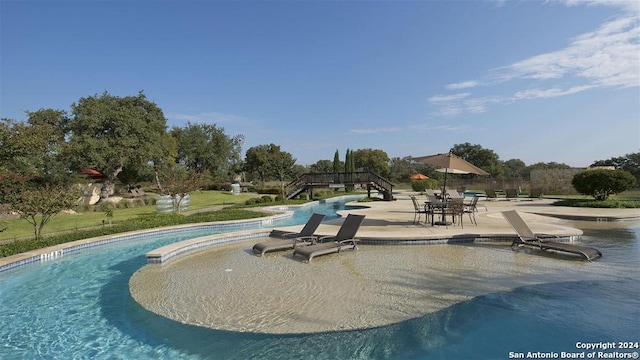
<point x="528" y="238"/>
<point x="535" y="193"/>
<point x="431" y="192"/>
<point x="511" y="194"/>
<point x="291" y="240"/>
<point x="344" y="240"/>
<point x="454" y="194"/>
<point x="491" y="194"/>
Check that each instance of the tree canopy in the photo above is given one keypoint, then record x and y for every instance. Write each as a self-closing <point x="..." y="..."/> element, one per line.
<point x="483" y="158"/>
<point x="323" y="166"/>
<point x="205" y="148"/>
<point x="109" y="132"/>
<point x="34" y="148"/>
<point x="376" y="161"/>
<point x="628" y="162"/>
<point x="268" y="161"/>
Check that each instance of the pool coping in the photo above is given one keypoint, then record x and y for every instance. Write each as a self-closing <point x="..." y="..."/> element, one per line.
<point x="57" y="251"/>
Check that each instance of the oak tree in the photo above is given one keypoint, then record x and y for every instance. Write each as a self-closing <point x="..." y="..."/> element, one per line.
<point x="108" y="132"/>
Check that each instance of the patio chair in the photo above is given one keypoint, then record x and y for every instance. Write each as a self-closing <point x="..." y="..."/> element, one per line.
<point x="434" y="206"/>
<point x="344" y="240"/>
<point x="528" y="238"/>
<point x="418" y="211"/>
<point x="471" y="208"/>
<point x="291" y="240"/>
<point x="455" y="208"/>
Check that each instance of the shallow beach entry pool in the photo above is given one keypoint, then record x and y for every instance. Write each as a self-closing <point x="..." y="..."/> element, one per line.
<point x="228" y="288"/>
<point x="80" y="307"/>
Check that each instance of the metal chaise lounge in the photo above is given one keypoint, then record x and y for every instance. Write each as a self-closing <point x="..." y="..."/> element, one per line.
<point x="292" y="240"/>
<point x="491" y="194"/>
<point x="528" y="238"/>
<point x="535" y="193"/>
<point x="511" y="194"/>
<point x="344" y="240"/>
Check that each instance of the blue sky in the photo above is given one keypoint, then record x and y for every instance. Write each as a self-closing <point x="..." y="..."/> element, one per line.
<point x="539" y="81"/>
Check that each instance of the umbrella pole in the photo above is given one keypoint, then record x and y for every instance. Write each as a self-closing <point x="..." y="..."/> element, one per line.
<point x="443" y="196"/>
<point x="444" y="184"/>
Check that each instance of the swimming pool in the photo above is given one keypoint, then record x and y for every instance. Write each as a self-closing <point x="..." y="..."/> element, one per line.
<point x="79" y="307"/>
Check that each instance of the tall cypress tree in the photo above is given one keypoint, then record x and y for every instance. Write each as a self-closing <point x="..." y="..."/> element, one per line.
<point x="347" y="163"/>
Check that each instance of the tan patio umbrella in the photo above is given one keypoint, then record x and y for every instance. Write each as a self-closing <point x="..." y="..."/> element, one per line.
<point x="419" y="177"/>
<point x="450" y="163"/>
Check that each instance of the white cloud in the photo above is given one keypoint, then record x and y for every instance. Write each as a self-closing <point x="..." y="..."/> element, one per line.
<point x="462" y="85"/>
<point x="448" y="98"/>
<point x="628" y="5"/>
<point x="548" y="93"/>
<point x="453" y="105"/>
<point x="606" y="57"/>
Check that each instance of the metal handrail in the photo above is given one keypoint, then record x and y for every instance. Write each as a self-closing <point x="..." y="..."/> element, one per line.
<point x="320" y="179"/>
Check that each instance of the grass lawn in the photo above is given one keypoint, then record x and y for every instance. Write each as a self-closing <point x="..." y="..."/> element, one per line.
<point x="19" y="228"/>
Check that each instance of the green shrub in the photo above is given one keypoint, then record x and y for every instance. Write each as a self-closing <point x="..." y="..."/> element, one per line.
<point x="267" y="198"/>
<point x="601" y="183"/>
<point x="106" y="206"/>
<point x="603" y="204"/>
<point x="272" y="191"/>
<point x="422" y="185"/>
<point x="84" y="208"/>
<point x="251" y="201"/>
<point x="322" y="193"/>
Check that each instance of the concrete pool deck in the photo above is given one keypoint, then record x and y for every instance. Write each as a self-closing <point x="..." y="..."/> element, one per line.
<point x="393" y="220"/>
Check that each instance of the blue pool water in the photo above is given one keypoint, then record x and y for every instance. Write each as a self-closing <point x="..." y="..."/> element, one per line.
<point x="79" y="307"/>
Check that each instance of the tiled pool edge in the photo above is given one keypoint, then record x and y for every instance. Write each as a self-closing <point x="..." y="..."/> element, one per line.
<point x="56" y="251"/>
<point x="165" y="253"/>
